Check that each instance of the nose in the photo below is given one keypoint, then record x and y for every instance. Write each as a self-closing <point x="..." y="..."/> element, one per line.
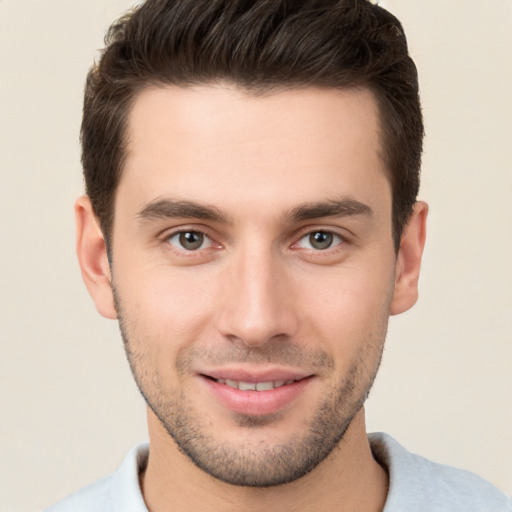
<point x="256" y="303"/>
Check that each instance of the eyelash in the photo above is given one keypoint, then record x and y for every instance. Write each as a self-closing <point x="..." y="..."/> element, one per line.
<point x="336" y="240"/>
<point x="190" y="252"/>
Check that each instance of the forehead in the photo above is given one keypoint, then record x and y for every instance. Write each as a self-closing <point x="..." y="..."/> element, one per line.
<point x="218" y="141"/>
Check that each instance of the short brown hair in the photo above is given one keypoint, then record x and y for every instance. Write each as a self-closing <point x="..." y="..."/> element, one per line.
<point x="258" y="45"/>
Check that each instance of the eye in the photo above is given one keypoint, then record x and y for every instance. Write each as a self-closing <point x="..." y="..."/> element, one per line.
<point x="319" y="240"/>
<point x="190" y="240"/>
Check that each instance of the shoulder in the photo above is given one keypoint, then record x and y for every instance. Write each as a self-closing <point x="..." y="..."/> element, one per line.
<point x="93" y="497"/>
<point x="416" y="483"/>
<point x="119" y="492"/>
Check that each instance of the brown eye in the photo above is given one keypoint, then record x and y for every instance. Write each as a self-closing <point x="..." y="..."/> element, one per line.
<point x="321" y="240"/>
<point x="189" y="240"/>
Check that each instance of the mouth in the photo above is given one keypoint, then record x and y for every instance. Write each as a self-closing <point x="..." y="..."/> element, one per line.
<point x="256" y="396"/>
<point x="255" y="386"/>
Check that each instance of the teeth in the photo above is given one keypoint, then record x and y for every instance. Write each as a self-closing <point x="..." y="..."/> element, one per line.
<point x="264" y="386"/>
<point x="254" y="386"/>
<point x="246" y="386"/>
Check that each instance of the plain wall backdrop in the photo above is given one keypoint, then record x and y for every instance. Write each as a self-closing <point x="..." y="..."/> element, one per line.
<point x="69" y="408"/>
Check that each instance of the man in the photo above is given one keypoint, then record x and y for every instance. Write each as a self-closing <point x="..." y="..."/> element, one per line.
<point x="251" y="219"/>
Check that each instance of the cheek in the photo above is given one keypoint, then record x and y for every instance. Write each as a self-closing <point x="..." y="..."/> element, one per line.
<point x="350" y="310"/>
<point x="162" y="315"/>
<point x="165" y="304"/>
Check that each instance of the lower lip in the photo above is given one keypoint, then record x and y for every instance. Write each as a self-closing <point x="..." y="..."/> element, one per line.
<point x="256" y="403"/>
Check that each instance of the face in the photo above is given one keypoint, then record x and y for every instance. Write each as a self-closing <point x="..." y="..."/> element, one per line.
<point x="254" y="271"/>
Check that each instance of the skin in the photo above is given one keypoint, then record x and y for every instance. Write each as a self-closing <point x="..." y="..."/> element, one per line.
<point x="257" y="176"/>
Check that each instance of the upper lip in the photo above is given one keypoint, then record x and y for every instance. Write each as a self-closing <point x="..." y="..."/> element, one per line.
<point x="255" y="375"/>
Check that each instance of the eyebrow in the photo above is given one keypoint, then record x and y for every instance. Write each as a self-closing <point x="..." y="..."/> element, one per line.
<point x="169" y="208"/>
<point x="345" y="207"/>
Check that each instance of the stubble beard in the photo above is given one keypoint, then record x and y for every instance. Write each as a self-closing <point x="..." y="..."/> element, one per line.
<point x="262" y="465"/>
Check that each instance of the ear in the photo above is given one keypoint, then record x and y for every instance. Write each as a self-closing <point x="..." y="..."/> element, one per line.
<point x="408" y="261"/>
<point x="92" y="257"/>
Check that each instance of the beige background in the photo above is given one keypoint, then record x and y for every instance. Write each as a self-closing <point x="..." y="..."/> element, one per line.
<point x="69" y="409"/>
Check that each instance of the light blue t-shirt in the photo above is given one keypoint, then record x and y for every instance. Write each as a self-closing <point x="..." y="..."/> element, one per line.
<point x="415" y="485"/>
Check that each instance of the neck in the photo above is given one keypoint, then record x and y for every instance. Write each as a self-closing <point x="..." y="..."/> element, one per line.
<point x="348" y="479"/>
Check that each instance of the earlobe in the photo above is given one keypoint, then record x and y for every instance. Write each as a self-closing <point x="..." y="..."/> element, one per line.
<point x="92" y="256"/>
<point x="408" y="261"/>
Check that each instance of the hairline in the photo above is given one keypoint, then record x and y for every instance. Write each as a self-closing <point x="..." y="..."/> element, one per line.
<point x="254" y="90"/>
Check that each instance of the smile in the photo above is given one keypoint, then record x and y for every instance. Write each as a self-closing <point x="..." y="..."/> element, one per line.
<point x="254" y="386"/>
<point x="250" y="395"/>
